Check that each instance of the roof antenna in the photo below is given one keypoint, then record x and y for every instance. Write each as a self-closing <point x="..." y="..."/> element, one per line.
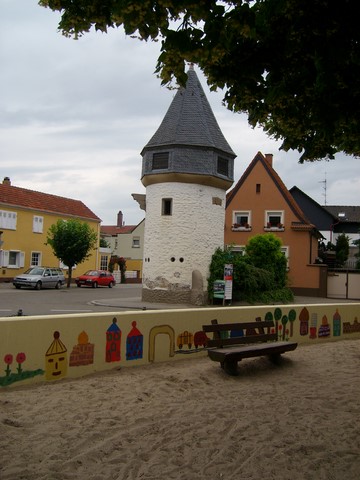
<point x="324" y="187"/>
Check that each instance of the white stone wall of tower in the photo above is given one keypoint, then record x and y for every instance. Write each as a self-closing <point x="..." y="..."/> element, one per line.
<point x="193" y="232"/>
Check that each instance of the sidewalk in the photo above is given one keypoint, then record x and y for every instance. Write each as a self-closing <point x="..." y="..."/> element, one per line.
<point x="135" y="303"/>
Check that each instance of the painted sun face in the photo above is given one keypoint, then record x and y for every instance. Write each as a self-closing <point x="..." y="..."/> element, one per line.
<point x="56" y="359"/>
<point x="56" y="366"/>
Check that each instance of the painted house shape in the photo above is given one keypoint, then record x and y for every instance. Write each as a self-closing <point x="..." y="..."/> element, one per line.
<point x="83" y="352"/>
<point x="113" y="342"/>
<point x="134" y="343"/>
<point x="260" y="203"/>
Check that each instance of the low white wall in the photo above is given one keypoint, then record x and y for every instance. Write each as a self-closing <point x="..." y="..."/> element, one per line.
<point x="50" y="348"/>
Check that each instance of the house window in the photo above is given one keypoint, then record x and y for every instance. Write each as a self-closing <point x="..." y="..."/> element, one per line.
<point x="258" y="187"/>
<point x="35" y="259"/>
<point x="242" y="219"/>
<point x="8" y="220"/>
<point x="160" y="161"/>
<point x="274" y="220"/>
<point x="237" y="249"/>
<point x="38" y="224"/>
<point x="14" y="259"/>
<point x="136" y="242"/>
<point x="166" y="206"/>
<point x="223" y="166"/>
<point x="103" y="262"/>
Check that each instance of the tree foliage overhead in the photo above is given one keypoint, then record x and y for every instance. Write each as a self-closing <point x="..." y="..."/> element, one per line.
<point x="72" y="242"/>
<point x="292" y="66"/>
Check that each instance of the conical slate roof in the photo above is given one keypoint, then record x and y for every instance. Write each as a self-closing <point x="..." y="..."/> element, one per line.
<point x="190" y="121"/>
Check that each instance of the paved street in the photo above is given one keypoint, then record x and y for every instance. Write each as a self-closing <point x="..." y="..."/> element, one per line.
<point x="87" y="300"/>
<point x="68" y="300"/>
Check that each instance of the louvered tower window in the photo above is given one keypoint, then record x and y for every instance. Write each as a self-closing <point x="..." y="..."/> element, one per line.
<point x="160" y="161"/>
<point x="223" y="166"/>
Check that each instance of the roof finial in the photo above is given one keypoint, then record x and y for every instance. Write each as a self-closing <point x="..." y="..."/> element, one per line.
<point x="191" y="66"/>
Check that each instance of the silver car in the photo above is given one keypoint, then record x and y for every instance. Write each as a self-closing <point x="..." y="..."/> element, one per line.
<point x="40" y="277"/>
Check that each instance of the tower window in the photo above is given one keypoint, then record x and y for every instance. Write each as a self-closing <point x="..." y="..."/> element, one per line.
<point x="166" y="206"/>
<point x="223" y="166"/>
<point x="160" y="161"/>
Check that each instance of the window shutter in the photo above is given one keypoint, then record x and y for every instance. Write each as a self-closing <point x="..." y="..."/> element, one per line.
<point x="5" y="258"/>
<point x="22" y="259"/>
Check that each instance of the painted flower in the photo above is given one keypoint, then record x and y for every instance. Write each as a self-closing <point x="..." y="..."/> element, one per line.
<point x="20" y="357"/>
<point x="8" y="359"/>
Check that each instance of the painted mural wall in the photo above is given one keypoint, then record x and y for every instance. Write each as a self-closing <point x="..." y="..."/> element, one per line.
<point x="51" y="348"/>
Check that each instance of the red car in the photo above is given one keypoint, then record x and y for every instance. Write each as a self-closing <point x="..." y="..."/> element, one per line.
<point x="96" y="278"/>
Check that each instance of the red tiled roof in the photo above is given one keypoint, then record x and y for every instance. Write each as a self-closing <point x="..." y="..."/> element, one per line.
<point x="114" y="230"/>
<point x="44" y="202"/>
<point x="259" y="157"/>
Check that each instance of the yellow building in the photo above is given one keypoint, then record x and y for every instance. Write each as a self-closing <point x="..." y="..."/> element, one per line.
<point x="25" y="218"/>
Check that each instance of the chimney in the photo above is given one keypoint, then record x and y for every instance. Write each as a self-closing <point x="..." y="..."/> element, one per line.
<point x="269" y="158"/>
<point x="6" y="181"/>
<point x="120" y="219"/>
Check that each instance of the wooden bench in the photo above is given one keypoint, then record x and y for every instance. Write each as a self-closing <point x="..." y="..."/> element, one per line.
<point x="232" y="342"/>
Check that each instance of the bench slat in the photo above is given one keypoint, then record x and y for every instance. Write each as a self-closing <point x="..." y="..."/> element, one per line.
<point x="237" y="354"/>
<point x="218" y="342"/>
<point x="220" y="327"/>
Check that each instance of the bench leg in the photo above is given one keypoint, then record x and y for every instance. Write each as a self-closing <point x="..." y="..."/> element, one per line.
<point x="230" y="367"/>
<point x="275" y="358"/>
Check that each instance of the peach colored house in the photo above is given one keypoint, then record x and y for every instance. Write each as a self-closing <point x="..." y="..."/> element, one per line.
<point x="260" y="203"/>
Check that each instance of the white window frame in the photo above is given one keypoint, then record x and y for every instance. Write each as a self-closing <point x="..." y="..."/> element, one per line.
<point x="241" y="226"/>
<point x="136" y="242"/>
<point x="20" y="259"/>
<point x="274" y="213"/>
<point x="104" y="262"/>
<point x="238" y="249"/>
<point x="38" y="224"/>
<point x="39" y="255"/>
<point x="8" y="220"/>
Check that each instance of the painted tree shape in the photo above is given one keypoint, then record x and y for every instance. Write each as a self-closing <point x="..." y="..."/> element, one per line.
<point x="277" y="316"/>
<point x="292" y="318"/>
<point x="269" y="318"/>
<point x="284" y="321"/>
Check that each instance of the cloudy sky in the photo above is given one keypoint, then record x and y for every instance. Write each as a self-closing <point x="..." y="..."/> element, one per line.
<point x="75" y="115"/>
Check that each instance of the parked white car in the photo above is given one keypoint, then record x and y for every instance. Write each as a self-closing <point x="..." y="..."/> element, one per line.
<point x="40" y="277"/>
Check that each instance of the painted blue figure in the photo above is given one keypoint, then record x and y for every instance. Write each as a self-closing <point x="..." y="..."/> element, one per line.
<point x="134" y="344"/>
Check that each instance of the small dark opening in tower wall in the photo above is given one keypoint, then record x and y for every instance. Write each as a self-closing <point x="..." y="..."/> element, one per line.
<point x="166" y="206"/>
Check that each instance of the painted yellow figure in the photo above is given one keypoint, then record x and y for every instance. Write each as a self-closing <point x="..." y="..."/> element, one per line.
<point x="56" y="359"/>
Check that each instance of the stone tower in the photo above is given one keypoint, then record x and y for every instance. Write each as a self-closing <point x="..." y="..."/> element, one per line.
<point x="187" y="167"/>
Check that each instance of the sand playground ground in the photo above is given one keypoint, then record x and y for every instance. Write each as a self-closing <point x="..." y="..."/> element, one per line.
<point x="187" y="419"/>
